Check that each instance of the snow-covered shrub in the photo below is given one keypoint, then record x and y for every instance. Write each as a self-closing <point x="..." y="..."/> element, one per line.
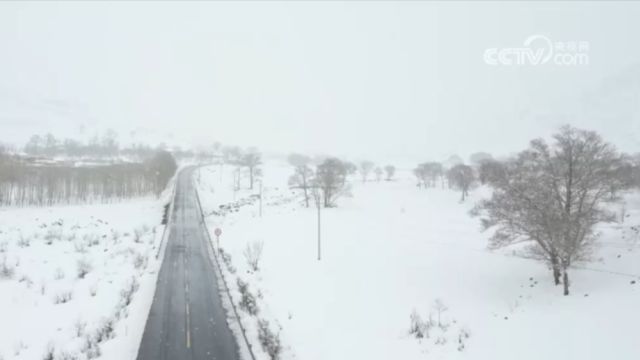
<point x="248" y="302"/>
<point x="83" y="268"/>
<point x="269" y="340"/>
<point x="93" y="290"/>
<point x="58" y="274"/>
<point x="18" y="348"/>
<point x="139" y="233"/>
<point x="80" y="327"/>
<point x="25" y="279"/>
<point x="253" y="253"/>
<point x="23" y="242"/>
<point x="419" y="328"/>
<point x="62" y="297"/>
<point x="115" y="236"/>
<point x="140" y="261"/>
<point x="67" y="356"/>
<point x="6" y="270"/>
<point x="463" y="335"/>
<point x="226" y="258"/>
<point x="440" y="331"/>
<point x="52" y="235"/>
<point x="80" y="247"/>
<point x="126" y="294"/>
<point x="91" y="348"/>
<point x="91" y="240"/>
<point x="440" y="340"/>
<point x="49" y="352"/>
<point x="105" y="331"/>
<point x="4" y="245"/>
<point x="71" y="237"/>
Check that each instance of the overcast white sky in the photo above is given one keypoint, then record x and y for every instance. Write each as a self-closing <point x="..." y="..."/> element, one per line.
<point x="360" y="79"/>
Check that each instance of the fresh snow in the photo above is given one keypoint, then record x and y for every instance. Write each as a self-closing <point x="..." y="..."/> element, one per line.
<point x="42" y="248"/>
<point x="390" y="249"/>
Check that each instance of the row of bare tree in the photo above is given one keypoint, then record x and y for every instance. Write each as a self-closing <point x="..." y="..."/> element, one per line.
<point x="460" y="176"/>
<point x="23" y="184"/>
<point x="329" y="180"/>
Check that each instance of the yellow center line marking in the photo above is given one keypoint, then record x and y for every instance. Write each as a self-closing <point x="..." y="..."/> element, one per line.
<point x="188" y="328"/>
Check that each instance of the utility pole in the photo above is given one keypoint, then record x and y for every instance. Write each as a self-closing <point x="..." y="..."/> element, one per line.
<point x="317" y="196"/>
<point x="319" y="237"/>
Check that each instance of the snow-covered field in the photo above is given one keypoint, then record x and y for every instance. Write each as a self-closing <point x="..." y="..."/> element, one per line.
<point x="77" y="281"/>
<point x="391" y="249"/>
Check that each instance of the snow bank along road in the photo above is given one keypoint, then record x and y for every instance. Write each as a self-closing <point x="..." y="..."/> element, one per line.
<point x="187" y="319"/>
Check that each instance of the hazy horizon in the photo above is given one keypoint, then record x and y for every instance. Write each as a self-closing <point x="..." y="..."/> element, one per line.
<point x="376" y="80"/>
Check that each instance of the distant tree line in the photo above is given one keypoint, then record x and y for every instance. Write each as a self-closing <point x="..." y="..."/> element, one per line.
<point x="97" y="147"/>
<point x="25" y="184"/>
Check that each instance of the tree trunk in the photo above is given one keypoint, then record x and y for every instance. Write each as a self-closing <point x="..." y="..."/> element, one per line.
<point x="251" y="178"/>
<point x="565" y="281"/>
<point x="555" y="266"/>
<point x="306" y="197"/>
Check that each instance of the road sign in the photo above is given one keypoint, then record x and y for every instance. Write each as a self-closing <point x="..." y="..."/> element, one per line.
<point x="218" y="232"/>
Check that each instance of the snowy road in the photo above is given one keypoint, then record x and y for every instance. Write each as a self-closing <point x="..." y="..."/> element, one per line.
<point x="187" y="319"/>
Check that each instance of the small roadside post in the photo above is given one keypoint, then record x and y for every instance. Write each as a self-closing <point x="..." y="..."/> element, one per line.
<point x="217" y="232"/>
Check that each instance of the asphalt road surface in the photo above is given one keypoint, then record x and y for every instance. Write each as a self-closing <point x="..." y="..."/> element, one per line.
<point x="187" y="320"/>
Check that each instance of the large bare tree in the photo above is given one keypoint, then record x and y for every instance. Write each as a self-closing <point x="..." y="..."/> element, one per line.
<point x="331" y="179"/>
<point x="552" y="196"/>
<point x="462" y="177"/>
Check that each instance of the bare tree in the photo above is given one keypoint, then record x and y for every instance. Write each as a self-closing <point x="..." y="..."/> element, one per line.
<point x="44" y="185"/>
<point x="301" y="178"/>
<point x="331" y="179"/>
<point x="350" y="167"/>
<point x="391" y="171"/>
<point x="421" y="175"/>
<point x="34" y="145"/>
<point x="251" y="160"/>
<point x="440" y="307"/>
<point x="365" y="169"/>
<point x="489" y="170"/>
<point x="379" y="172"/>
<point x="552" y="196"/>
<point x="462" y="177"/>
<point x="253" y="253"/>
<point x="163" y="166"/>
<point x="476" y="159"/>
<point x="636" y="170"/>
<point x="428" y="173"/>
<point x="231" y="154"/>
